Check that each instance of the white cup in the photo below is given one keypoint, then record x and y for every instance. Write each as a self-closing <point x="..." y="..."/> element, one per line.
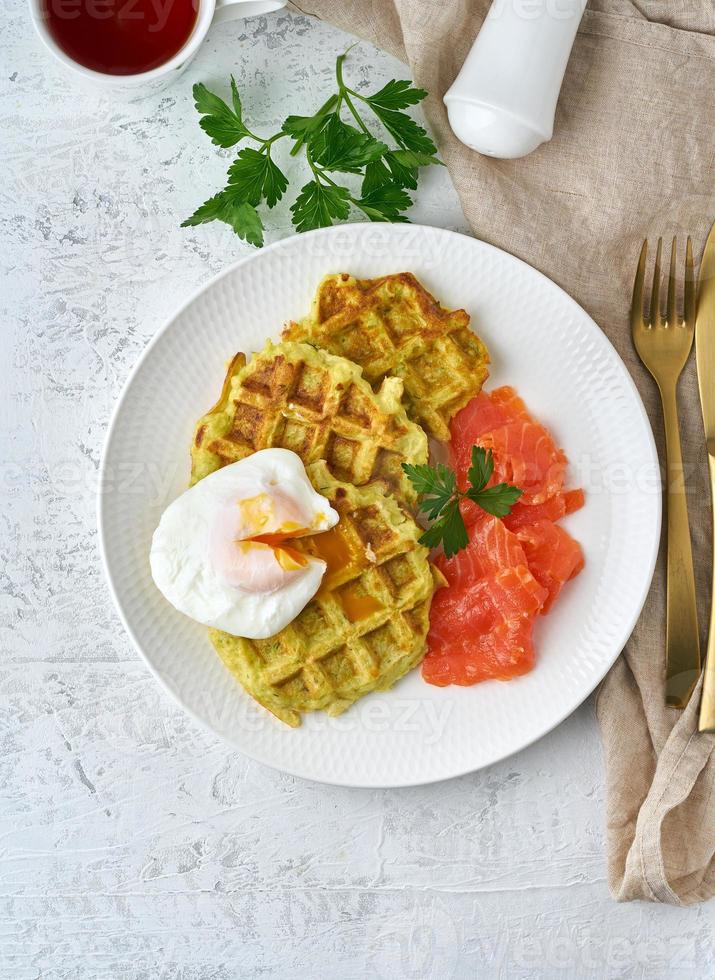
<point x="149" y="82"/>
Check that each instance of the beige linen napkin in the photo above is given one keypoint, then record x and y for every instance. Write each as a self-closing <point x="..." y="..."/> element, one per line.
<point x="633" y="155"/>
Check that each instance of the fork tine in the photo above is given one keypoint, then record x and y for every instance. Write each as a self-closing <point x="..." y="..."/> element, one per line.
<point x="655" y="319"/>
<point x="689" y="286"/>
<point x="672" y="315"/>
<point x="637" y="303"/>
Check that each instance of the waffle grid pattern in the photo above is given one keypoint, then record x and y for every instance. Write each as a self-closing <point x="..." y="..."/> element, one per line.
<point x="365" y="628"/>
<point x="319" y="406"/>
<point x="393" y="326"/>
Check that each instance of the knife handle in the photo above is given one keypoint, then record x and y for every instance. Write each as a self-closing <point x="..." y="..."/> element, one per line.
<point x="707" y="705"/>
<point x="682" y="635"/>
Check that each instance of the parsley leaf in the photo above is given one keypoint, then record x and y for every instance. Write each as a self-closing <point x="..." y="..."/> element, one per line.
<point x="404" y="166"/>
<point x="337" y="146"/>
<point x="318" y="204"/>
<point x="430" y="479"/>
<point x="223" y="124"/>
<point x="376" y="174"/>
<point x="384" y="203"/>
<point x="241" y="216"/>
<point x="301" y="127"/>
<point x="253" y="176"/>
<point x="480" y="472"/>
<point x="449" y="531"/>
<point x="387" y="168"/>
<point x="497" y="500"/>
<point x="399" y="167"/>
<point x="401" y="173"/>
<point x="397" y="95"/>
<point x="404" y="130"/>
<point x="437" y="486"/>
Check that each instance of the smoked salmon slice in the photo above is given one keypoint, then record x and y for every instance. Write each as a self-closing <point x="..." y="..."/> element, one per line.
<point x="524" y="452"/>
<point x="552" y="555"/>
<point x="523" y="514"/>
<point x="526" y="456"/>
<point x="481" y="623"/>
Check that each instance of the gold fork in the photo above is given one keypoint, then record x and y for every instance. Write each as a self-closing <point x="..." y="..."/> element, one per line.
<point x="664" y="344"/>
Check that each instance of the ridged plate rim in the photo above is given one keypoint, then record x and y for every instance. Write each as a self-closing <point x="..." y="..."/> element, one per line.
<point x="324" y="766"/>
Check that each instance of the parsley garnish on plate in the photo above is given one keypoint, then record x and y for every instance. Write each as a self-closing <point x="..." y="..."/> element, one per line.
<point x="440" y="497"/>
<point x="381" y="173"/>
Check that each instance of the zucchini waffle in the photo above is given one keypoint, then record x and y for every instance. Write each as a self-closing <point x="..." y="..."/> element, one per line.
<point x="292" y="396"/>
<point x="393" y="326"/>
<point x="365" y="628"/>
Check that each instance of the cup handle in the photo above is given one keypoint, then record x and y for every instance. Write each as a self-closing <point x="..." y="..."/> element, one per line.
<point x="233" y="9"/>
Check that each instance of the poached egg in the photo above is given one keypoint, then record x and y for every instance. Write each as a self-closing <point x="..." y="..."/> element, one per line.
<point x="222" y="555"/>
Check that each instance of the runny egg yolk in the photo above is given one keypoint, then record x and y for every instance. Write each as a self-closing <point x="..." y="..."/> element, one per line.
<point x="249" y="543"/>
<point x="358" y="605"/>
<point x="339" y="553"/>
<point x="260" y="514"/>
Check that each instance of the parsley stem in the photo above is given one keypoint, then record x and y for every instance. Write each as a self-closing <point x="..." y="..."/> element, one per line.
<point x="326" y="107"/>
<point x="321" y="175"/>
<point x="340" y="61"/>
<point x="318" y="172"/>
<point x="344" y="90"/>
<point x="356" y="114"/>
<point x="266" y="147"/>
<point x="253" y="136"/>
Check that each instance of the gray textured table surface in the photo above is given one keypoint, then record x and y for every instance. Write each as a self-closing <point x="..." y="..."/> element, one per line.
<point x="132" y="843"/>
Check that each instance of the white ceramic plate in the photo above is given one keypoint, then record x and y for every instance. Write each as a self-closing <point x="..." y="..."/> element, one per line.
<point x="541" y="342"/>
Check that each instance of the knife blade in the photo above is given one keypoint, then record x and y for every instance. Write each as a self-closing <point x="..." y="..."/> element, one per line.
<point x="705" y="359"/>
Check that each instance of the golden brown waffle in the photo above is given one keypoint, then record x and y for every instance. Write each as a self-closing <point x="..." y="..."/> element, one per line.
<point x="366" y="627"/>
<point x="292" y="396"/>
<point x="393" y="326"/>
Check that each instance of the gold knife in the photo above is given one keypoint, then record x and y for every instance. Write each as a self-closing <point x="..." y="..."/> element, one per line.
<point x="705" y="357"/>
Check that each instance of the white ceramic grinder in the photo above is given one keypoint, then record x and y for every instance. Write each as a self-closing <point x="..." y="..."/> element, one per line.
<point x="503" y="101"/>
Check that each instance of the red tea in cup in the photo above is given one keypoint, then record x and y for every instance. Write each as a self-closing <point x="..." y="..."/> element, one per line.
<point x="120" y="37"/>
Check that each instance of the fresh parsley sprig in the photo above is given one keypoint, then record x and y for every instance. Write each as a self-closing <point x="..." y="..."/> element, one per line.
<point x="440" y="498"/>
<point x="332" y="146"/>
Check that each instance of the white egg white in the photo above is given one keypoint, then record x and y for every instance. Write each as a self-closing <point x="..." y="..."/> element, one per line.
<point x="183" y="562"/>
